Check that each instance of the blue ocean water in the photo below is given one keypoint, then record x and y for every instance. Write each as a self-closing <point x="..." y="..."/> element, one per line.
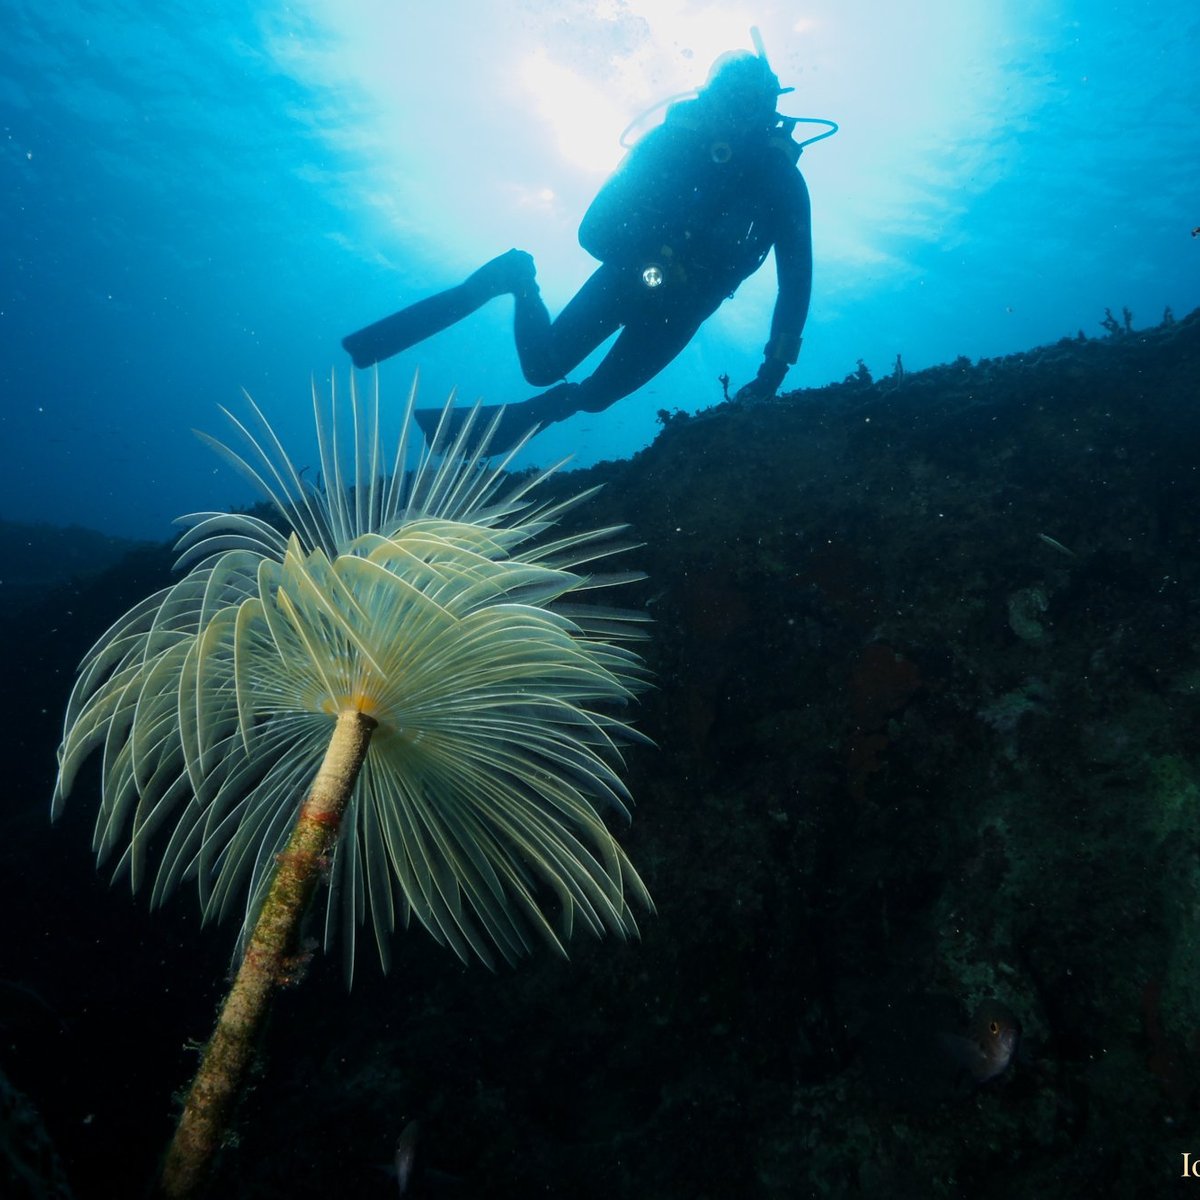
<point x="200" y="200"/>
<point x="924" y="724"/>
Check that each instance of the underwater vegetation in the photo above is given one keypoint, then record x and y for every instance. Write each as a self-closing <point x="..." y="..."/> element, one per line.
<point x="390" y="696"/>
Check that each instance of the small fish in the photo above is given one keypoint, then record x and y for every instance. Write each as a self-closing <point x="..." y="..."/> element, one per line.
<point x="987" y="1048"/>
<point x="1055" y="544"/>
<point x="918" y="1052"/>
<point x="406" y="1156"/>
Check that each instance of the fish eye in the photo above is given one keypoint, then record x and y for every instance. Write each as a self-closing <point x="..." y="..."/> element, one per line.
<point x="994" y="1028"/>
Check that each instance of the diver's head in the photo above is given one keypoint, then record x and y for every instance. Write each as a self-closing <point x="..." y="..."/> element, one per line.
<point x="742" y="89"/>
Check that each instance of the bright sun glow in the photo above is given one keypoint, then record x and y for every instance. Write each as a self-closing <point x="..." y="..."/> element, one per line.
<point x="467" y="146"/>
<point x="581" y="116"/>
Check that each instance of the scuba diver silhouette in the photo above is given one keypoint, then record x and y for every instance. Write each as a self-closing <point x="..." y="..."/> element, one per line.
<point x="691" y="212"/>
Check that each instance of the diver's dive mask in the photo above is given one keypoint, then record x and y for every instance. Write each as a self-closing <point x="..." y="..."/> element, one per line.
<point x="741" y="89"/>
<point x="747" y="82"/>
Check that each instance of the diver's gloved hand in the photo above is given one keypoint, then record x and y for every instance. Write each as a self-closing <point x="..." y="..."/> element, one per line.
<point x="766" y="383"/>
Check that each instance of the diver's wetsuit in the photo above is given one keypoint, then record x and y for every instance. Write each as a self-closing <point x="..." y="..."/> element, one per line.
<point x="705" y="207"/>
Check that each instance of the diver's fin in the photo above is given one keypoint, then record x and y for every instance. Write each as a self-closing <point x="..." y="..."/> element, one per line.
<point x="511" y="427"/>
<point x="405" y="328"/>
<point x="428" y="420"/>
<point x="515" y="423"/>
<point x="517" y="420"/>
<point x="512" y="271"/>
<point x="376" y="342"/>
